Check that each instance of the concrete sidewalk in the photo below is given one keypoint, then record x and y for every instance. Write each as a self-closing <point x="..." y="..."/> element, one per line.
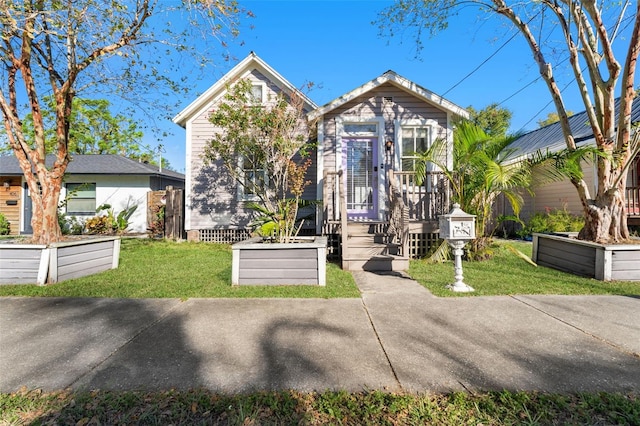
<point x="397" y="336"/>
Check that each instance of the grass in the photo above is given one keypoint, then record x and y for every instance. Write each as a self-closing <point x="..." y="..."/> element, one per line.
<point x="507" y="274"/>
<point x="165" y="269"/>
<point x="336" y="408"/>
<point x="162" y="269"/>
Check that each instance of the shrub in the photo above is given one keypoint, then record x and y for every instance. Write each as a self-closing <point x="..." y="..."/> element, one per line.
<point x="98" y="225"/>
<point x="5" y="225"/>
<point x="70" y="225"/>
<point x="110" y="223"/>
<point x="156" y="228"/>
<point x="553" y="220"/>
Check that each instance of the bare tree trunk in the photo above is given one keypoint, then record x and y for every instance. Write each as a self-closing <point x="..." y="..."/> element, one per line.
<point x="606" y="218"/>
<point x="45" y="198"/>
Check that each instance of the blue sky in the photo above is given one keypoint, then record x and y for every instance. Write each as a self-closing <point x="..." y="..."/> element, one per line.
<point x="334" y="44"/>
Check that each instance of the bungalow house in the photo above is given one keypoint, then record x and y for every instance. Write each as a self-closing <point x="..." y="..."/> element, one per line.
<point x="563" y="195"/>
<point x="373" y="212"/>
<point x="91" y="180"/>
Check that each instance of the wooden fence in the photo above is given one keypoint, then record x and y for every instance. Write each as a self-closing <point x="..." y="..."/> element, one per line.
<point x="165" y="213"/>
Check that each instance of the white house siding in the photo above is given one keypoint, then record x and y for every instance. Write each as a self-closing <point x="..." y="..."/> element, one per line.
<point x="558" y="195"/>
<point x="211" y="199"/>
<point x="120" y="192"/>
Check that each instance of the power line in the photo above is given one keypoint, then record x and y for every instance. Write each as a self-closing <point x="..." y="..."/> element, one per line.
<point x="482" y="63"/>
<point x="519" y="90"/>
<point x="548" y="103"/>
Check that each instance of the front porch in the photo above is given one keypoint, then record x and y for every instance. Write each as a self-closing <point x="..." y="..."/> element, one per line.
<point x="406" y="228"/>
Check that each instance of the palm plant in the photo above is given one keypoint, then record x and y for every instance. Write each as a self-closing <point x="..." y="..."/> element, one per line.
<point x="480" y="173"/>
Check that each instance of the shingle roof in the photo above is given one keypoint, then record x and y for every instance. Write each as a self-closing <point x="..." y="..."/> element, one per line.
<point x="551" y="138"/>
<point x="104" y="164"/>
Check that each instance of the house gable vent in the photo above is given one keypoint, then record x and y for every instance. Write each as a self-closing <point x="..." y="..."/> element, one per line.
<point x="387" y="99"/>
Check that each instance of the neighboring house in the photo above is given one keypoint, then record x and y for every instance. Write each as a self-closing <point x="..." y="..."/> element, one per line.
<point x="369" y="136"/>
<point x="90" y="181"/>
<point x="563" y="195"/>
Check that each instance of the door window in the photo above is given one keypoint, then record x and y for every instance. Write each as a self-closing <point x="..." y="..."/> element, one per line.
<point x="360" y="186"/>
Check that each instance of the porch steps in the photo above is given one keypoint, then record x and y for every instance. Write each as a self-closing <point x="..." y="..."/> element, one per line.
<point x="368" y="249"/>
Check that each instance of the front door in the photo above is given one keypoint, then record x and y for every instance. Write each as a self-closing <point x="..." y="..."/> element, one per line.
<point x="28" y="210"/>
<point x="361" y="158"/>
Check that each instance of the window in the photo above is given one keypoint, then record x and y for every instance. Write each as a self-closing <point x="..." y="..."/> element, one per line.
<point x="253" y="178"/>
<point x="414" y="140"/>
<point x="81" y="198"/>
<point x="360" y="128"/>
<point x="257" y="93"/>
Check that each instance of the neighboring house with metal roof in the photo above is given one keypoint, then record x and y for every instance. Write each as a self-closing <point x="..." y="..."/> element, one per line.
<point x="563" y="195"/>
<point x="90" y="181"/>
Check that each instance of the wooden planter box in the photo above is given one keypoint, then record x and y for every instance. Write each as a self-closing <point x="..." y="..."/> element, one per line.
<point x="41" y="264"/>
<point x="593" y="260"/>
<point x="261" y="263"/>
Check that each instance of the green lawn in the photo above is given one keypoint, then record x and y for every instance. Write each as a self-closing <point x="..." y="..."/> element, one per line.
<point x="507" y="274"/>
<point x="151" y="269"/>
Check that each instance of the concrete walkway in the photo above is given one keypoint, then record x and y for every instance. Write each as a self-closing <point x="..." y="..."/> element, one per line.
<point x="397" y="336"/>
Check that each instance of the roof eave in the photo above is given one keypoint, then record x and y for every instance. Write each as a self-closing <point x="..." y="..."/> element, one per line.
<point x="398" y="81"/>
<point x="201" y="101"/>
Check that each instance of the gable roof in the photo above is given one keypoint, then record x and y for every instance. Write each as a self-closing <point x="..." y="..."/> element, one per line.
<point x="398" y="81"/>
<point x="96" y="164"/>
<point x="551" y="138"/>
<point x="244" y="67"/>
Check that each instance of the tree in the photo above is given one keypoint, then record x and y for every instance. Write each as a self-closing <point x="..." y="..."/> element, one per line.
<point x="64" y="48"/>
<point x="588" y="32"/>
<point x="492" y="119"/>
<point x="480" y="171"/>
<point x="552" y="117"/>
<point x="265" y="149"/>
<point x="92" y="130"/>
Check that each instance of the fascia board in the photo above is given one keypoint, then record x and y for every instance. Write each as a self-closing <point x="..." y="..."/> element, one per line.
<point x="399" y="82"/>
<point x="242" y="68"/>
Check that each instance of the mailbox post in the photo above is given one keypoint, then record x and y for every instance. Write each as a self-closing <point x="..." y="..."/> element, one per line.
<point x="457" y="228"/>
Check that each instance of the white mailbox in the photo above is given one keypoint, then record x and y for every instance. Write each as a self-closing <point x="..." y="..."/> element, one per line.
<point x="457" y="225"/>
<point x="457" y="228"/>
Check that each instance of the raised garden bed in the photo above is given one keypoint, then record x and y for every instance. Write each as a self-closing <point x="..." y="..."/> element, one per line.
<point x="604" y="262"/>
<point x="47" y="264"/>
<point x="264" y="263"/>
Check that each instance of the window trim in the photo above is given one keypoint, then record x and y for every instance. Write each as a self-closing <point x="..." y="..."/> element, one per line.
<point x="242" y="195"/>
<point x="263" y="90"/>
<point x="429" y="124"/>
<point x="94" y="198"/>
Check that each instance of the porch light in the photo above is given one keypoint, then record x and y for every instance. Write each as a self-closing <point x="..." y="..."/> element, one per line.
<point x="6" y="184"/>
<point x="388" y="144"/>
<point x="457" y="228"/>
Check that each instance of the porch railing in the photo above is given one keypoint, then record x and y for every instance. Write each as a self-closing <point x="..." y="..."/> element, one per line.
<point x="335" y="207"/>
<point x="632" y="200"/>
<point x="426" y="201"/>
<point x="398" y="231"/>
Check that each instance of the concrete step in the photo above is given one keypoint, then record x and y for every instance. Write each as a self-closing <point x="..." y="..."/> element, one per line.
<point x="376" y="263"/>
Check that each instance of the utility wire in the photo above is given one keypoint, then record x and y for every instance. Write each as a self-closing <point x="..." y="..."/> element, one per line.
<point x="482" y="63"/>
